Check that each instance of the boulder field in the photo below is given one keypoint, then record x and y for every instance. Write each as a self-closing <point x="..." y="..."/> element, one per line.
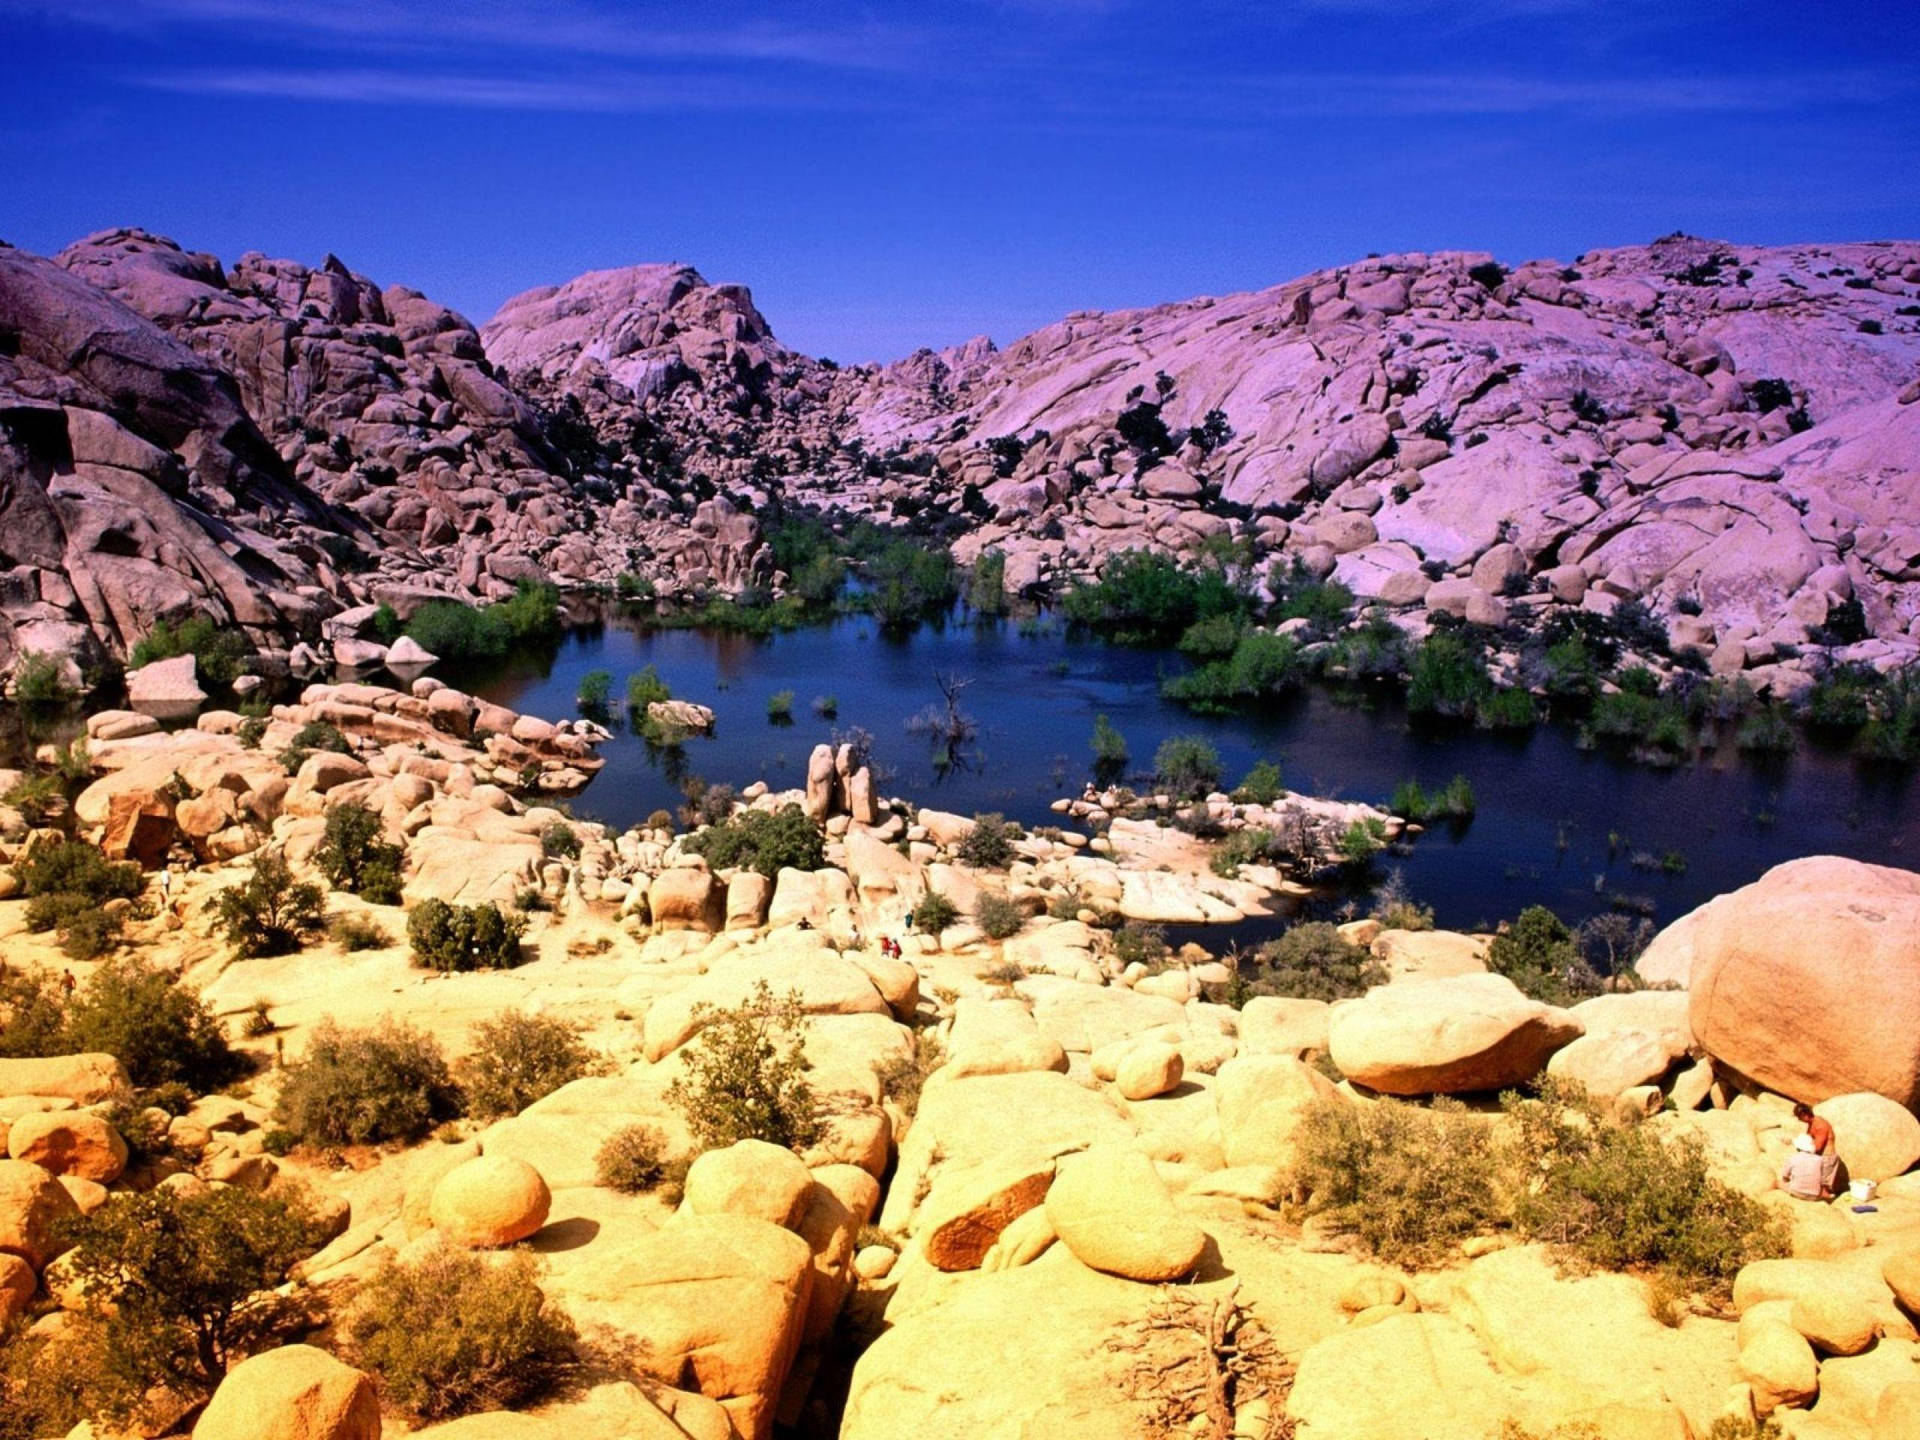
<point x="1725" y="432"/>
<point x="1052" y="1193"/>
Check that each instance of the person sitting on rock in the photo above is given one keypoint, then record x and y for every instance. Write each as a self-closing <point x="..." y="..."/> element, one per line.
<point x="1805" y="1173"/>
<point x="1820" y="1131"/>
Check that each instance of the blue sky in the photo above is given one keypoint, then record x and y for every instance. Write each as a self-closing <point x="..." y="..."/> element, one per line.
<point x="886" y="176"/>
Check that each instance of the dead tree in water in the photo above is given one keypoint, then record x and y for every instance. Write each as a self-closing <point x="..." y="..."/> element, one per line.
<point x="950" y="728"/>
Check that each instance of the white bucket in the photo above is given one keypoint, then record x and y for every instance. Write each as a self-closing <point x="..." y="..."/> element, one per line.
<point x="1862" y="1190"/>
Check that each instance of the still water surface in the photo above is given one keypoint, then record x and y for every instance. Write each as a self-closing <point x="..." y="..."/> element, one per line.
<point x="1547" y="809"/>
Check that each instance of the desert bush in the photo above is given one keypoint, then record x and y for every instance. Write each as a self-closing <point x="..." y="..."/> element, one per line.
<point x="560" y="841"/>
<point x="448" y="937"/>
<point x="450" y="1333"/>
<point x="269" y="913"/>
<point x="1261" y="666"/>
<point x="367" y="1087"/>
<point x="596" y="688"/>
<point x="161" y="1030"/>
<point x="1252" y="846"/>
<point x="1452" y="801"/>
<point x="643" y="689"/>
<point x="764" y="840"/>
<point x="1138" y="943"/>
<point x="31" y="1018"/>
<point x="1395" y="908"/>
<point x="50" y="1384"/>
<point x="1314" y="961"/>
<point x="634" y="1161"/>
<point x="315" y="735"/>
<point x="1407" y="1183"/>
<point x="40" y="679"/>
<point x="934" y="913"/>
<point x="1540" y="955"/>
<point x="519" y="1058"/>
<point x="1446" y="676"/>
<point x="356" y="857"/>
<point x="1623" y="1197"/>
<point x="998" y="916"/>
<point x="989" y="845"/>
<point x="179" y="1286"/>
<point x="1260" y="786"/>
<point x="745" y="1074"/>
<point x="903" y="1077"/>
<point x="1187" y="766"/>
<point x="358" y="932"/>
<point x="1362" y="840"/>
<point x="1110" y="754"/>
<point x="218" y="654"/>
<point x="458" y="632"/>
<point x="70" y="887"/>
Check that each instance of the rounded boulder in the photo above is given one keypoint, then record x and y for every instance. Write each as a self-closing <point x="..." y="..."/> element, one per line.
<point x="1766" y="998"/>
<point x="1834" y="1324"/>
<point x="490" y="1201"/>
<point x="69" y="1142"/>
<point x="32" y="1205"/>
<point x="1876" y="1137"/>
<point x="294" y="1393"/>
<point x="1110" y="1207"/>
<point x="752" y="1178"/>
<point x="1149" y="1070"/>
<point x="1448" y="1036"/>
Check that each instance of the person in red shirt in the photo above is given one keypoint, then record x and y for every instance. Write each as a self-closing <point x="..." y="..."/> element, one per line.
<point x="1820" y="1132"/>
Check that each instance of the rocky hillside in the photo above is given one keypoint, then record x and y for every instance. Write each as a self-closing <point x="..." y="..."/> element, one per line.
<point x="1729" y="432"/>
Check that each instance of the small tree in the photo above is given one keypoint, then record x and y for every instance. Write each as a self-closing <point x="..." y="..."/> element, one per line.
<point x="998" y="917"/>
<point x="596" y="687"/>
<point x="989" y="845"/>
<point x="745" y="1075"/>
<point x="270" y="913"/>
<point x="160" y="1030"/>
<point x="1262" y="785"/>
<point x="180" y="1283"/>
<point x="355" y="857"/>
<point x="1187" y="766"/>
<point x="934" y="913"/>
<point x="1314" y="961"/>
<point x="1110" y="754"/>
<point x="519" y="1058"/>
<point x="766" y="841"/>
<point x="464" y="937"/>
<point x="449" y="1333"/>
<point x="1540" y="955"/>
<point x="367" y="1087"/>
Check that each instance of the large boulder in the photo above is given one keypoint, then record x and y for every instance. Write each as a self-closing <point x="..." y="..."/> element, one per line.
<point x="715" y="1303"/>
<point x="166" y="689"/>
<point x="687" y="897"/>
<point x="17" y="1284"/>
<point x="1262" y="1102"/>
<point x="1808" y="980"/>
<point x="752" y="1178"/>
<point x="490" y="1201"/>
<point x="1448" y="1036"/>
<point x="1877" y="1139"/>
<point x="69" y="1142"/>
<point x="294" y="1393"/>
<point x="1110" y="1207"/>
<point x="83" y="1079"/>
<point x="32" y="1206"/>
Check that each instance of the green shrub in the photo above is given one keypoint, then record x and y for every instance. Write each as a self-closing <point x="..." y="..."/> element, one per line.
<point x="1540" y="955"/>
<point x="1362" y="840"/>
<point x="745" y="1074"/>
<point x="1187" y="766"/>
<point x="1507" y="708"/>
<point x="1622" y="1197"/>
<point x="219" y="654"/>
<point x="41" y="680"/>
<point x="1260" y="786"/>
<point x="1408" y="1184"/>
<point x="634" y="1161"/>
<point x="269" y="913"/>
<point x="31" y="1019"/>
<point x="764" y="840"/>
<point x="826" y="706"/>
<point x="252" y="731"/>
<point x="1452" y="801"/>
<point x="450" y="1333"/>
<point x="358" y="932"/>
<point x="458" y="632"/>
<point x="1395" y="908"/>
<point x="1110" y="753"/>
<point x="376" y="1086"/>
<point x="934" y="913"/>
<point x="355" y="857"/>
<point x="51" y="1384"/>
<point x="1138" y="943"/>
<point x="519" y="1058"/>
<point x="998" y="916"/>
<point x="1253" y="846"/>
<point x="180" y="1286"/>
<point x="596" y="687"/>
<point x="464" y="937"/>
<point x="160" y="1030"/>
<point x="1146" y="598"/>
<point x="72" y="888"/>
<point x="780" y="708"/>
<point x="560" y="841"/>
<point x="989" y="845"/>
<point x="315" y="735"/>
<point x="1314" y="961"/>
<point x="1446" y="677"/>
<point x="1768" y="730"/>
<point x="1261" y="666"/>
<point x="1326" y="605"/>
<point x="987" y="585"/>
<point x="644" y="689"/>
